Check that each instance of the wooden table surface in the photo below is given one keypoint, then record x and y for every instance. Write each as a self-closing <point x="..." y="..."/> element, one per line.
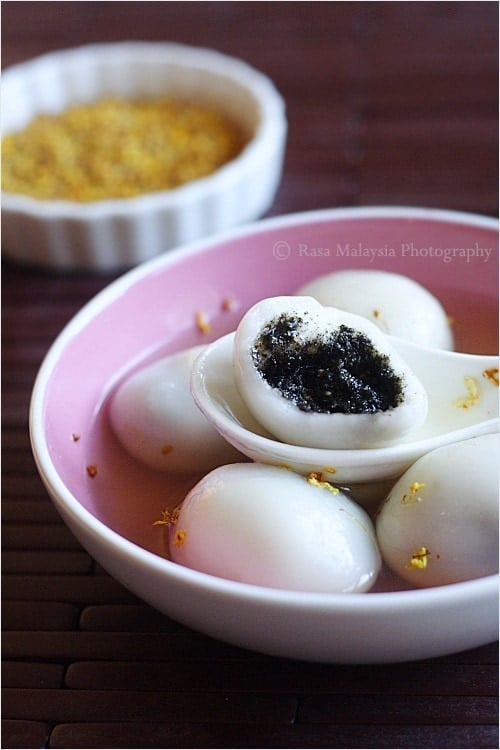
<point x="388" y="103"/>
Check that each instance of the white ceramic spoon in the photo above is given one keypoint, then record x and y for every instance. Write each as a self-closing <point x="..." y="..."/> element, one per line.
<point x="463" y="403"/>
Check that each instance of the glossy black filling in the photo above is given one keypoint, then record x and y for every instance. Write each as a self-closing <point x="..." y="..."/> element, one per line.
<point x="340" y="372"/>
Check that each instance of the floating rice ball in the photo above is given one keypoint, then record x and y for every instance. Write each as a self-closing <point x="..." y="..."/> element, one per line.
<point x="439" y="524"/>
<point x="268" y="526"/>
<point x="154" y="416"/>
<point x="398" y="305"/>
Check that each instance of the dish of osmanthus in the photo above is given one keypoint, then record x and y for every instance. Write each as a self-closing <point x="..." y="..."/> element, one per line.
<point x="318" y="369"/>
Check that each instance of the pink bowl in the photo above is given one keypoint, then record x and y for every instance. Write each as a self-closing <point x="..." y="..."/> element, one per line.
<point x="152" y="311"/>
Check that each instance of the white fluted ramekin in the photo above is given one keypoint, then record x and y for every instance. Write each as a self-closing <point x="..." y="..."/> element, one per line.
<point x="115" y="234"/>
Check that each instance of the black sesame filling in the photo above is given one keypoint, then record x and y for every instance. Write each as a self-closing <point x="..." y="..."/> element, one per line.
<point x="340" y="372"/>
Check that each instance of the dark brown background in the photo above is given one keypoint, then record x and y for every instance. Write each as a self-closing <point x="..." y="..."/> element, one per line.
<point x="388" y="103"/>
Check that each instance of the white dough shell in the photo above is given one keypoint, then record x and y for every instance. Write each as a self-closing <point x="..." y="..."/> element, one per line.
<point x="439" y="524"/>
<point x="154" y="416"/>
<point x="268" y="526"/>
<point x="284" y="419"/>
<point x="398" y="305"/>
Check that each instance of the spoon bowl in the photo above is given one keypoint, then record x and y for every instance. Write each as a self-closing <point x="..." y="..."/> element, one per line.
<point x="463" y="403"/>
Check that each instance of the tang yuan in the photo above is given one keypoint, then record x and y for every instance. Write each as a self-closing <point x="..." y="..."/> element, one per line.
<point x="398" y="305"/>
<point x="156" y="420"/>
<point x="439" y="524"/>
<point x="268" y="526"/>
<point x="319" y="377"/>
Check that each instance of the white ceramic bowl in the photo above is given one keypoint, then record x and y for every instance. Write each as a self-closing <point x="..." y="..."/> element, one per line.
<point x="113" y="234"/>
<point x="142" y="317"/>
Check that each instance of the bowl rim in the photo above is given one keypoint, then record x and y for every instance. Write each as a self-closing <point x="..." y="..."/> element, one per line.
<point x="418" y="600"/>
<point x="270" y="129"/>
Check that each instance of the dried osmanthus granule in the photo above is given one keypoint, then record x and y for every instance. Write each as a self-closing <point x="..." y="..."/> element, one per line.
<point x="316" y="479"/>
<point x="472" y="398"/>
<point x="491" y="375"/>
<point x="202" y="323"/>
<point x="117" y="149"/>
<point x="420" y="558"/>
<point x="170" y="518"/>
